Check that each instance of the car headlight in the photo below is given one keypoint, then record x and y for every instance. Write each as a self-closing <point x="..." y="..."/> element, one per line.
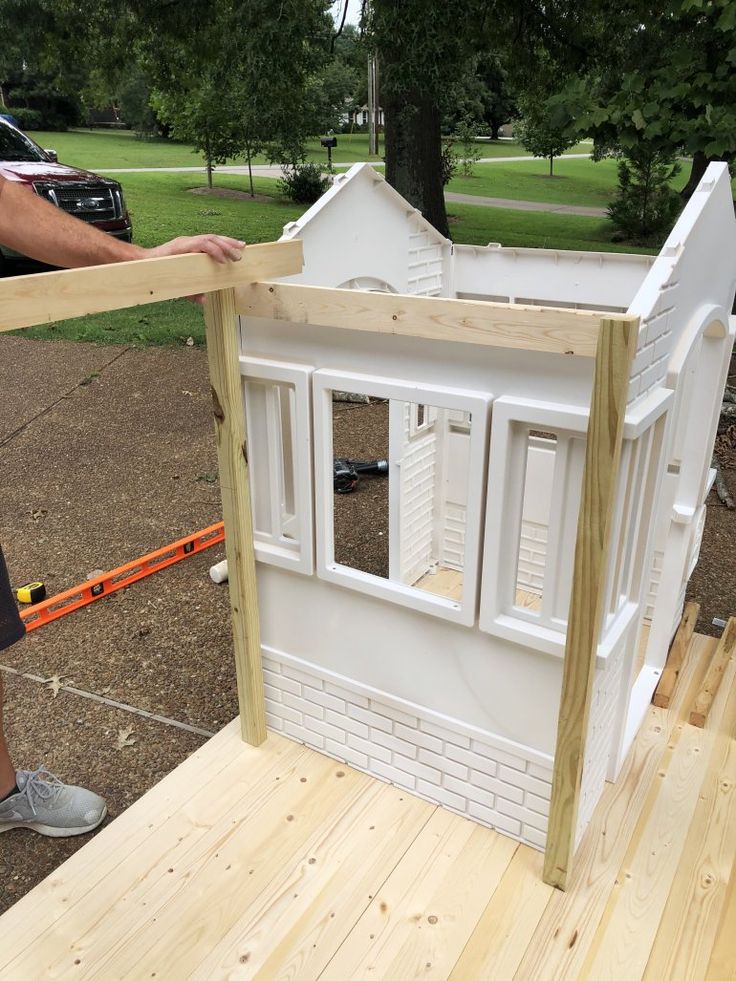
<point x="119" y="201"/>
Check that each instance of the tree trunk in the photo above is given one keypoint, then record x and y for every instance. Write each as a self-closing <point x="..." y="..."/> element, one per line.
<point x="697" y="169"/>
<point x="250" y="169"/>
<point x="414" y="155"/>
<point x="208" y="161"/>
<point x="551" y="165"/>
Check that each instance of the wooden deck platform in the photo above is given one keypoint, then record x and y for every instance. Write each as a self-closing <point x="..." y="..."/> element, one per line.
<point x="278" y="862"/>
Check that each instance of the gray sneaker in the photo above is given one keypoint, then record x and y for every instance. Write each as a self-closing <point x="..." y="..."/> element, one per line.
<point x="46" y="805"/>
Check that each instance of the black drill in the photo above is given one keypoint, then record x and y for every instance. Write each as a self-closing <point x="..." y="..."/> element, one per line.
<point x="347" y="473"/>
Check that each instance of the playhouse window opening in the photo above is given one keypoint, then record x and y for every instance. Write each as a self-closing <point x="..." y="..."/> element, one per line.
<point x="406" y="521"/>
<point x="360" y="435"/>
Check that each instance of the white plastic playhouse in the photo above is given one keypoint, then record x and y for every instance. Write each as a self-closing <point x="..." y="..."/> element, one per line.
<point x="450" y="684"/>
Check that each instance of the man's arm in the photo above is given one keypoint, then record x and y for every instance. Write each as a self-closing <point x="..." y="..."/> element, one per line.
<point x="39" y="230"/>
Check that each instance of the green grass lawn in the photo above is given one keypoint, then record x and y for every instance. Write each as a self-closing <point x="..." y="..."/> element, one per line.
<point x="104" y="149"/>
<point x="578" y="182"/>
<point x="476" y="225"/>
<point x="163" y="207"/>
<point x="110" y="149"/>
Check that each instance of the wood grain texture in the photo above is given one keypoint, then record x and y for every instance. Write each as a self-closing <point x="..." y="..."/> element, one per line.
<point x="689" y="924"/>
<point x="723" y="654"/>
<point x="333" y="882"/>
<point x="101" y="880"/>
<point x="668" y="680"/>
<point x="425" y="912"/>
<point x="566" y="930"/>
<point x="191" y="898"/>
<point x="232" y="457"/>
<point x="550" y="329"/>
<point x="502" y="935"/>
<point x="722" y="965"/>
<point x="616" y="347"/>
<point x="43" y="298"/>
<point x="629" y="924"/>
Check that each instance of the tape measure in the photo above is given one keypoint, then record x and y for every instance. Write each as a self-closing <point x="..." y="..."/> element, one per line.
<point x="32" y="592"/>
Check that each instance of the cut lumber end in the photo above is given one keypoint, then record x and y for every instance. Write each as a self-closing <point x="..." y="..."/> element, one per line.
<point x="676" y="657"/>
<point x="723" y="654"/>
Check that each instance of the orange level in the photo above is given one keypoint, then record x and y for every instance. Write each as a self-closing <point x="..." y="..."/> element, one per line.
<point x="109" y="582"/>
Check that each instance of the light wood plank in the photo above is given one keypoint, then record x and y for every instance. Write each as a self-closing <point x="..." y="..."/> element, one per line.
<point x="502" y="935"/>
<point x="422" y="917"/>
<point x="656" y="855"/>
<point x="188" y="898"/>
<point x="43" y="298"/>
<point x="567" y="928"/>
<point x="724" y="653"/>
<point x="442" y="582"/>
<point x="296" y="934"/>
<point x="232" y="457"/>
<point x="170" y="820"/>
<point x="668" y="680"/>
<point x="688" y="929"/>
<point x="629" y="924"/>
<point x="722" y="966"/>
<point x="616" y="347"/>
<point x="553" y="330"/>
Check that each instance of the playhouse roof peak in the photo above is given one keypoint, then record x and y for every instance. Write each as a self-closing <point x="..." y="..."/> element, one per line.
<point x="361" y="173"/>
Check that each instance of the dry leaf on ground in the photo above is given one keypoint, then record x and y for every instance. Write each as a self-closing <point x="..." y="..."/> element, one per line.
<point x="56" y="683"/>
<point x="125" y="738"/>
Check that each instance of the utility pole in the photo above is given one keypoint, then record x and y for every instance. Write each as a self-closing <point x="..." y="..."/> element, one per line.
<point x="373" y="106"/>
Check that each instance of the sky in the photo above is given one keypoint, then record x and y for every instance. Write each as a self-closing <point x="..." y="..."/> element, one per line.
<point x="353" y="11"/>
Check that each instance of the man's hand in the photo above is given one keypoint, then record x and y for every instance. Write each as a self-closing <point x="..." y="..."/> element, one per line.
<point x="219" y="247"/>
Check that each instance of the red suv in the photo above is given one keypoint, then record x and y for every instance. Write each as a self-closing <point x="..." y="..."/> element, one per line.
<point x="94" y="199"/>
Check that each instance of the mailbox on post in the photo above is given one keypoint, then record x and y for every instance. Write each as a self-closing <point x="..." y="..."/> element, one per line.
<point x="329" y="142"/>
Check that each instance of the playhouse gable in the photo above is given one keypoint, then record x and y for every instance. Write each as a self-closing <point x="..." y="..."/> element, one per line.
<point x="362" y="234"/>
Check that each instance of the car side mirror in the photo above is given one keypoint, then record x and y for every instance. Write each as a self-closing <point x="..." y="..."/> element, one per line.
<point x="52" y="156"/>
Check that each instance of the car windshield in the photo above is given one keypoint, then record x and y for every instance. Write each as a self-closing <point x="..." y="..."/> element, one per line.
<point x="17" y="147"/>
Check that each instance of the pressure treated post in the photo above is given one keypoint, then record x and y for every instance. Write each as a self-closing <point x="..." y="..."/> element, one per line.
<point x="227" y="403"/>
<point x="616" y="346"/>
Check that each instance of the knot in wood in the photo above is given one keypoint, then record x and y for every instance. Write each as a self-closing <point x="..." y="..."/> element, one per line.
<point x="216" y="406"/>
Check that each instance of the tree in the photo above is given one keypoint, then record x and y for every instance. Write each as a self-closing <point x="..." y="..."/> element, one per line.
<point x="420" y="56"/>
<point x="134" y="101"/>
<point x="544" y="128"/>
<point x="424" y="46"/>
<point x="483" y="92"/>
<point x="645" y="205"/>
<point x="206" y="116"/>
<point x="664" y="78"/>
<point x="255" y="59"/>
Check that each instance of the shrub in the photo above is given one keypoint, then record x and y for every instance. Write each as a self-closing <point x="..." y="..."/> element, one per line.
<point x="303" y="183"/>
<point x="645" y="206"/>
<point x="466" y="133"/>
<point x="27" y="118"/>
<point x="449" y="162"/>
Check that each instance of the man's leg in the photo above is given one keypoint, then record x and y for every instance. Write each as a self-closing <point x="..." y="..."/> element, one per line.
<point x="7" y="770"/>
<point x="35" y="799"/>
<point x="11" y="630"/>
